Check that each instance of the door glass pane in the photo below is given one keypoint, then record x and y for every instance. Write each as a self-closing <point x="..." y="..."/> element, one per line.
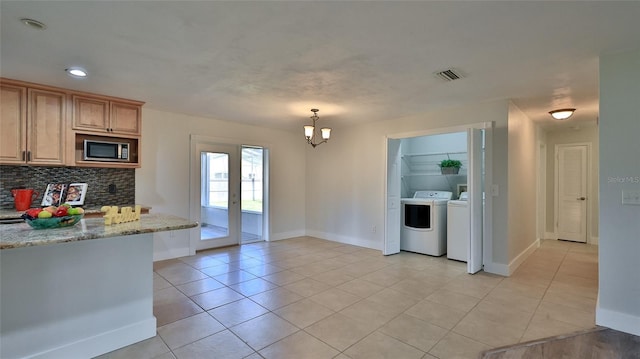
<point x="251" y="196"/>
<point x="214" y="214"/>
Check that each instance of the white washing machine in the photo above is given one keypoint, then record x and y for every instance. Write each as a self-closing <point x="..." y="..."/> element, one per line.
<point x="424" y="222"/>
<point x="458" y="233"/>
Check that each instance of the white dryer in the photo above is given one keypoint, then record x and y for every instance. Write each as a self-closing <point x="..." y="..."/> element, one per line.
<point x="458" y="233"/>
<point x="424" y="222"/>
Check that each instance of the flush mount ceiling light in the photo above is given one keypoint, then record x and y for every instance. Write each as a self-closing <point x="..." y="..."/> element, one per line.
<point x="34" y="24"/>
<point x="310" y="131"/>
<point x="562" y="114"/>
<point x="76" y="72"/>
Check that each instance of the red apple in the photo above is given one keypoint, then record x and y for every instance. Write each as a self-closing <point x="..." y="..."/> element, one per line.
<point x="61" y="212"/>
<point x="33" y="212"/>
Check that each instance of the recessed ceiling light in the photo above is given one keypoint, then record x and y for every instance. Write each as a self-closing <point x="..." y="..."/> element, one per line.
<point x="76" y="72"/>
<point x="562" y="114"/>
<point x="35" y="24"/>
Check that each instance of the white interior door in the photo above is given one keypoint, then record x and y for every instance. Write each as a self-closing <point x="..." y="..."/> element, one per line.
<point x="392" y="228"/>
<point x="474" y="178"/>
<point x="215" y="201"/>
<point x="571" y="195"/>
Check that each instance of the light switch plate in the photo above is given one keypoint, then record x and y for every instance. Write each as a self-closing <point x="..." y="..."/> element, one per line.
<point x="631" y="197"/>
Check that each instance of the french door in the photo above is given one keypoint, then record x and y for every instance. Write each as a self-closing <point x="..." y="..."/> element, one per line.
<point x="218" y="187"/>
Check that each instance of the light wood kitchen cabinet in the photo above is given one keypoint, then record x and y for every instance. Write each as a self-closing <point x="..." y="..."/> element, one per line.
<point x="13" y="123"/>
<point x="46" y="125"/>
<point x="96" y="114"/>
<point x="33" y="126"/>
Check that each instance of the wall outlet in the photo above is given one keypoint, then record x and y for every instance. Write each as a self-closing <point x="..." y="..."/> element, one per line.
<point x="631" y="197"/>
<point x="374" y="229"/>
<point x="112" y="188"/>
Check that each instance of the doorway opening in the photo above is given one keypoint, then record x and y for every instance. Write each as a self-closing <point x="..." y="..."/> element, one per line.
<point x="571" y="185"/>
<point x="229" y="194"/>
<point x="413" y="164"/>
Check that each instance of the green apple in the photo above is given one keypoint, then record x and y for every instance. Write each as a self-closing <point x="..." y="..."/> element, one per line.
<point x="45" y="214"/>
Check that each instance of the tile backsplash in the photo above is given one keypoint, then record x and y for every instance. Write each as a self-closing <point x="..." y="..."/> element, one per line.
<point x="97" y="179"/>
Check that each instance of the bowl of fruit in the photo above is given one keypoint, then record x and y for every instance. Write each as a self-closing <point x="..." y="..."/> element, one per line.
<point x="53" y="217"/>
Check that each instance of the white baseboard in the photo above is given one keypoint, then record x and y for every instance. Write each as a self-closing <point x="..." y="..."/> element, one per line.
<point x="497" y="268"/>
<point x="170" y="253"/>
<point x="507" y="270"/>
<point x="286" y="235"/>
<point x="619" y="321"/>
<point x="517" y="261"/>
<point x="105" y="342"/>
<point x="345" y="239"/>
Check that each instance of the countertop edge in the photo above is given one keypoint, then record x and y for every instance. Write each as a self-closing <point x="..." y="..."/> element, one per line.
<point x="6" y="213"/>
<point x="95" y="229"/>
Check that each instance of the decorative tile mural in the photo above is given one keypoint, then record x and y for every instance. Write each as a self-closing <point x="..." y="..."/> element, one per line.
<point x="98" y="180"/>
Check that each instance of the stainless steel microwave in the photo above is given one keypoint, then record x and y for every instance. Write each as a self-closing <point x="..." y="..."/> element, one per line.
<point x="106" y="151"/>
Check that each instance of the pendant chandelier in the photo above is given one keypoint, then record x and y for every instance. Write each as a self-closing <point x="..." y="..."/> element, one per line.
<point x="310" y="131"/>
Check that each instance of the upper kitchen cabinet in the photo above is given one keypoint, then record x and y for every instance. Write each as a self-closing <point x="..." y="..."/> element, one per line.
<point x="106" y="116"/>
<point x="13" y="123"/>
<point x="33" y="126"/>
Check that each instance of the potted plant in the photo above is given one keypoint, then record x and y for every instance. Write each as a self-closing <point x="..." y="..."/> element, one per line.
<point x="450" y="167"/>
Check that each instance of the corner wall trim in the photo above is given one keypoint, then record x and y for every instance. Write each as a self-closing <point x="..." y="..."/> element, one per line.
<point x="517" y="261"/>
<point x="497" y="268"/>
<point x="616" y="320"/>
<point x="507" y="270"/>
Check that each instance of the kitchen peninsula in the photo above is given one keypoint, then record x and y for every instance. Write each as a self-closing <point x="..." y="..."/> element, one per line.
<point x="78" y="291"/>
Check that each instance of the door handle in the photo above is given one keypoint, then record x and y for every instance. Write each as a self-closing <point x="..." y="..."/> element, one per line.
<point x="581" y="198"/>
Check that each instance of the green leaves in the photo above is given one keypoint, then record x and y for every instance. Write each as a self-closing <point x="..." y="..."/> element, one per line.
<point x="450" y="163"/>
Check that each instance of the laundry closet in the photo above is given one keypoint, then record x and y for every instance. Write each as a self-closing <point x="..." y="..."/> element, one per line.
<point x="434" y="211"/>
<point x="438" y="213"/>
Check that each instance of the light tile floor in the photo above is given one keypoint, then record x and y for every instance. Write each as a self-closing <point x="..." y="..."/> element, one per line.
<point x="311" y="298"/>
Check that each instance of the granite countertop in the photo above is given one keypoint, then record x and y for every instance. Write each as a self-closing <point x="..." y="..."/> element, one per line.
<point x="22" y="235"/>
<point x="12" y="213"/>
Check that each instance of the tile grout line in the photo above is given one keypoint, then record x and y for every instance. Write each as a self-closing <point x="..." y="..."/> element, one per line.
<point x="543" y="295"/>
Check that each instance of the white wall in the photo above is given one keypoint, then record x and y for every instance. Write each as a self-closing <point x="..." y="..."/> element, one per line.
<point x="619" y="253"/>
<point x="522" y="186"/>
<point x="439" y="147"/>
<point x="345" y="178"/>
<point x="163" y="180"/>
<point x="446" y="142"/>
<point x="588" y="134"/>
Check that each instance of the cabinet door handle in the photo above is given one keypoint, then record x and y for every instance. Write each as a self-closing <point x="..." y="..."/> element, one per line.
<point x="28" y="156"/>
<point x="24" y="155"/>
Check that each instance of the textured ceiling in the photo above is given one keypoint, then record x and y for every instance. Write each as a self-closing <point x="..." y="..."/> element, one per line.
<point x="268" y="63"/>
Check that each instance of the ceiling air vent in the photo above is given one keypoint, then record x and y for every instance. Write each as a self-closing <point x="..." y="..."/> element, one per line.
<point x="449" y="75"/>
